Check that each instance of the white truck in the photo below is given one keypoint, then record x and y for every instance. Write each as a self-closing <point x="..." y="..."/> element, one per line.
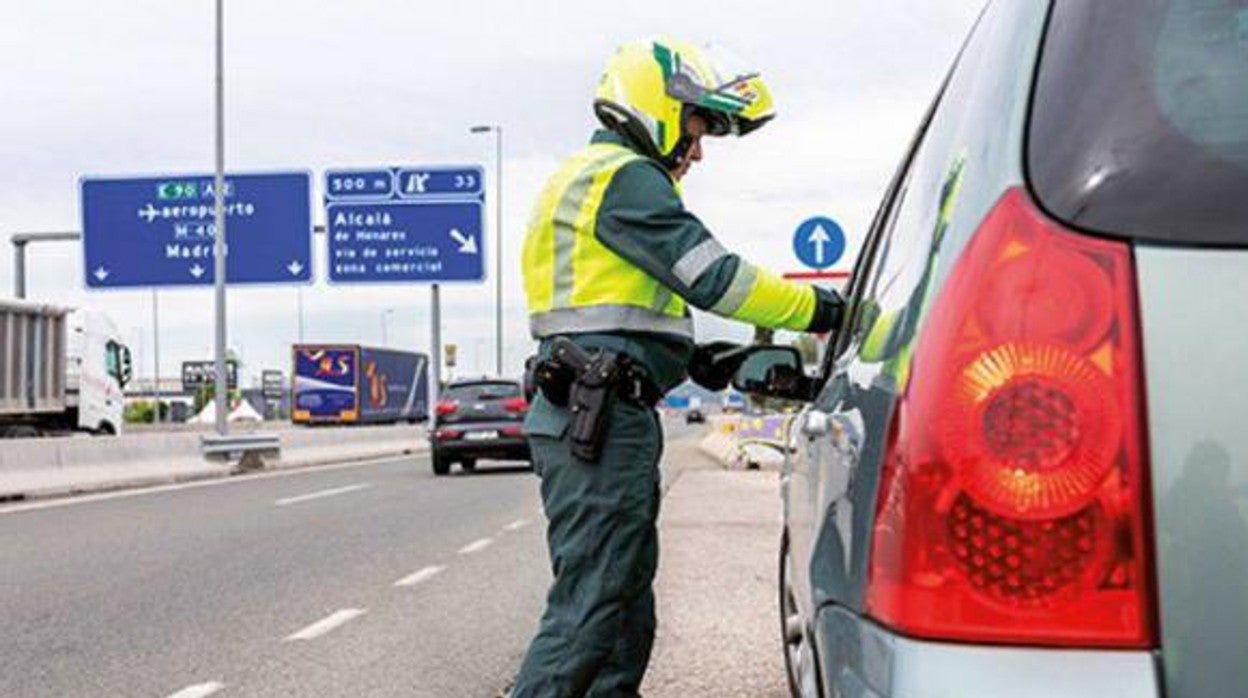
<point x="61" y="371"/>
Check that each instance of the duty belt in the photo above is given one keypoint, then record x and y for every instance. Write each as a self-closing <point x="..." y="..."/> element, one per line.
<point x="585" y="382"/>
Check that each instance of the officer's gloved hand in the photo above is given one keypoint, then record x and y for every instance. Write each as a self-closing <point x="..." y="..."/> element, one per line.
<point x="829" y="311"/>
<point x="713" y="364"/>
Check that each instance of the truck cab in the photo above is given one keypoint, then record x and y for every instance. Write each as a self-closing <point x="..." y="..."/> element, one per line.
<point x="98" y="366"/>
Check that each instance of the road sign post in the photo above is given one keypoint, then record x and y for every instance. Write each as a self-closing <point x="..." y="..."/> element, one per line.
<point x="405" y="224"/>
<point x="435" y="346"/>
<point x="199" y="374"/>
<point x="146" y="232"/>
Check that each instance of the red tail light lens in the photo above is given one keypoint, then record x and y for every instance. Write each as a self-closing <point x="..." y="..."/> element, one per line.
<point x="447" y="434"/>
<point x="515" y="404"/>
<point x="446" y="407"/>
<point x="1011" y="505"/>
<point x="513" y="431"/>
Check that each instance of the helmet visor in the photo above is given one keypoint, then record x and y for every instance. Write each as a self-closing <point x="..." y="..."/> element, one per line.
<point x="719" y="86"/>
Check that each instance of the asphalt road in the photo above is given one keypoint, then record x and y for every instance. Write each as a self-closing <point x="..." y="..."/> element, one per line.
<point x="368" y="580"/>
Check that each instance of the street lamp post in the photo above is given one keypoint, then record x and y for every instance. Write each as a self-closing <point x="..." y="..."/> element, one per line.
<point x="497" y="130"/>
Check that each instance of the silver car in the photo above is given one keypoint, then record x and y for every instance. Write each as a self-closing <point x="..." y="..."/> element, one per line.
<point x="1023" y="470"/>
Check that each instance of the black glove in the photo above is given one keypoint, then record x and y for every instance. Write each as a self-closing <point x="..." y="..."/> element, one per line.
<point x="829" y="310"/>
<point x="714" y="363"/>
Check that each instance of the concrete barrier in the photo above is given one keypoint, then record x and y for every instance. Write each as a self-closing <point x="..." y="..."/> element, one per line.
<point x="68" y="465"/>
<point x="747" y="441"/>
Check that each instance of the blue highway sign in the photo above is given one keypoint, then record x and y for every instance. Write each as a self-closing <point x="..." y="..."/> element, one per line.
<point x="819" y="242"/>
<point x="158" y="231"/>
<point x="405" y="224"/>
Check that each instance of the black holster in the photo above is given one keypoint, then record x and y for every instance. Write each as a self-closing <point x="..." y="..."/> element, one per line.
<point x="586" y="383"/>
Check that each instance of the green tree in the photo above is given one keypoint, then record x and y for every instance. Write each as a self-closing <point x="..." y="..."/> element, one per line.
<point x="139" y="412"/>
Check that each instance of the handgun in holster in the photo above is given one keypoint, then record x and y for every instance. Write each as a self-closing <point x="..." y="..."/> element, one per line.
<point x="585" y="383"/>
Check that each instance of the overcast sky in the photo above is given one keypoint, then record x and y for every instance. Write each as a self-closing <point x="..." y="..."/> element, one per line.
<point x="113" y="87"/>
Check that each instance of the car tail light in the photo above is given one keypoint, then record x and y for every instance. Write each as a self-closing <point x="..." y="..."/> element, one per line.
<point x="515" y="404"/>
<point x="446" y="406"/>
<point x="447" y="434"/>
<point x="513" y="431"/>
<point x="1011" y="505"/>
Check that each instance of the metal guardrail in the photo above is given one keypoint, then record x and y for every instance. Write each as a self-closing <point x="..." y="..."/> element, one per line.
<point x="239" y="445"/>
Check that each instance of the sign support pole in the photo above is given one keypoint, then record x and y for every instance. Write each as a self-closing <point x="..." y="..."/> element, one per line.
<point x="498" y="253"/>
<point x="156" y="352"/>
<point x="223" y="385"/>
<point x="19" y="269"/>
<point x="20" y="242"/>
<point x="299" y="310"/>
<point x="435" y="350"/>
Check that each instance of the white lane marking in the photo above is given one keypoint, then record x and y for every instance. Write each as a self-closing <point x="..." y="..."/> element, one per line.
<point x="516" y="525"/>
<point x="322" y="494"/>
<point x="419" y="576"/>
<point x="476" y="546"/>
<point x="326" y="624"/>
<point x="215" y="482"/>
<point x="199" y="690"/>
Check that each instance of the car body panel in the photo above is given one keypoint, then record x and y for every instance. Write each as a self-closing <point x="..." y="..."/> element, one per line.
<point x="1193" y="303"/>
<point x="975" y="134"/>
<point x="871" y="662"/>
<point x="969" y="153"/>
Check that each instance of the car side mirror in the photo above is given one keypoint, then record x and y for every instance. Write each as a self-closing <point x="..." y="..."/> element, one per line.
<point x="773" y="371"/>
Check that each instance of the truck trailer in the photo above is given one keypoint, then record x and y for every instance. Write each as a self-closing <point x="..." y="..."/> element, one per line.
<point x="353" y="384"/>
<point x="61" y="371"/>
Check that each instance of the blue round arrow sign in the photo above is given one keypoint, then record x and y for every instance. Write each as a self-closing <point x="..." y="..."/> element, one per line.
<point x="819" y="242"/>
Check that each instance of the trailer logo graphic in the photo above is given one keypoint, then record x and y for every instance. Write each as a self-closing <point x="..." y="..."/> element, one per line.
<point x="325" y="382"/>
<point x="377" y="385"/>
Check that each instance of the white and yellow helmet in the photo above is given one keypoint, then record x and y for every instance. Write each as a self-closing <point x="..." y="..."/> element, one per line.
<point x="650" y="88"/>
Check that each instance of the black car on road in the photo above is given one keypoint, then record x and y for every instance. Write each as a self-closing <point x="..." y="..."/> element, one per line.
<point x="477" y="419"/>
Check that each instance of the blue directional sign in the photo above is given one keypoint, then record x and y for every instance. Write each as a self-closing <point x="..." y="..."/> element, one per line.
<point x="405" y="224"/>
<point x="159" y="231"/>
<point x="819" y="242"/>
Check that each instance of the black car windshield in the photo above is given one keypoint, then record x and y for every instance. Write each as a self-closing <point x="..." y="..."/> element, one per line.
<point x="482" y="392"/>
<point x="1140" y="119"/>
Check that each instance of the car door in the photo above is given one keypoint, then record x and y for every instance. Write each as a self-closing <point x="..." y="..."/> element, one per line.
<point x="813" y="475"/>
<point x="847" y="418"/>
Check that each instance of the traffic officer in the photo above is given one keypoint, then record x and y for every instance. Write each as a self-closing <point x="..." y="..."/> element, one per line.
<point x="611" y="258"/>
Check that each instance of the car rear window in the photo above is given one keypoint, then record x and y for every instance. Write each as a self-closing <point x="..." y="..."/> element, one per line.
<point x="482" y="392"/>
<point x="1140" y="119"/>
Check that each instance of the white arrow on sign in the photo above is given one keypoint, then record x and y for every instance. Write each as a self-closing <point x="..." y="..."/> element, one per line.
<point x="819" y="237"/>
<point x="100" y="273"/>
<point x="467" y="243"/>
<point x="197" y="271"/>
<point x="294" y="268"/>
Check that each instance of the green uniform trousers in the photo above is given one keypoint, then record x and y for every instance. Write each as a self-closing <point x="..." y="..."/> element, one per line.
<point x="598" y="628"/>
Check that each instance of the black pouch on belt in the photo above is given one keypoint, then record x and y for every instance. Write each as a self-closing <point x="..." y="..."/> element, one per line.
<point x="554" y="379"/>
